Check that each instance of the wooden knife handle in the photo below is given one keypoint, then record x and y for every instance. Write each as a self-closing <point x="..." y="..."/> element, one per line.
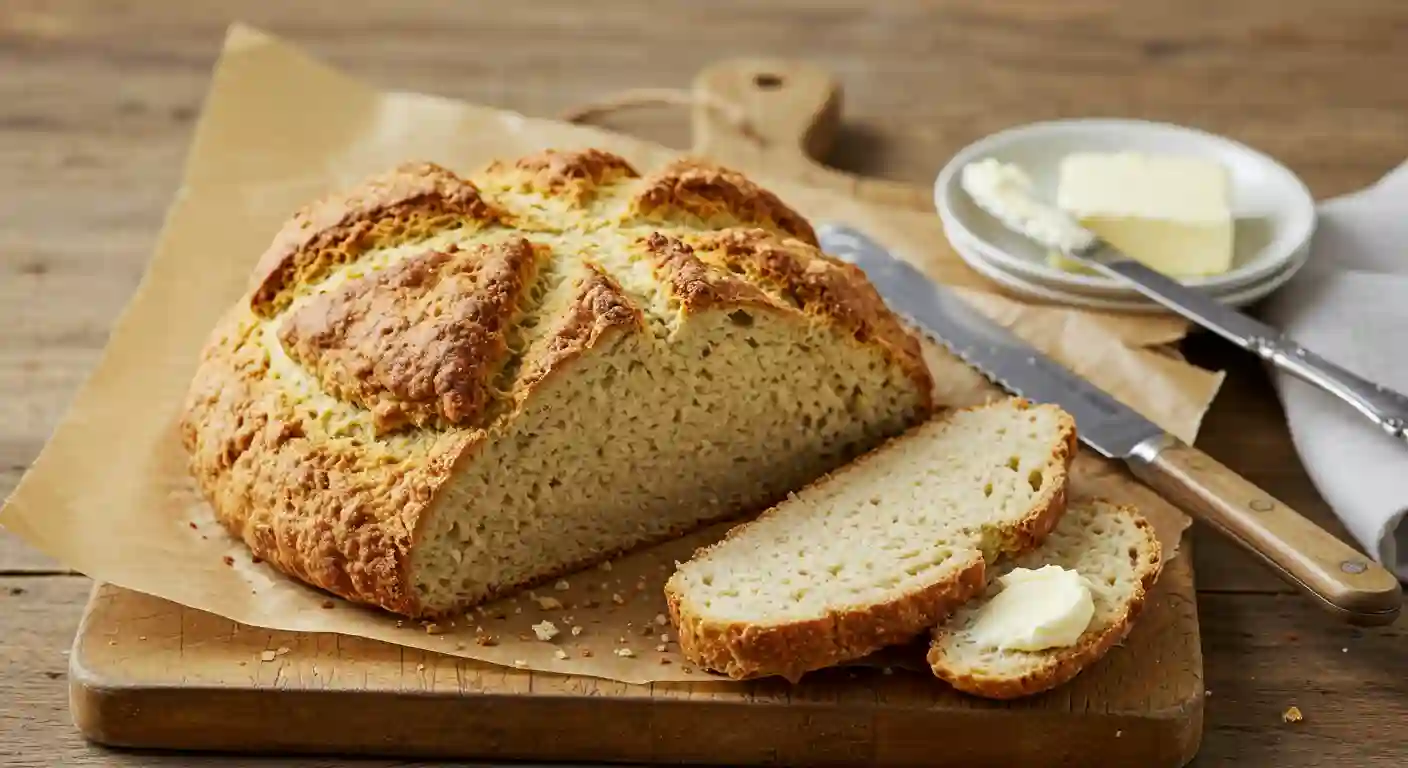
<point x="1351" y="585"/>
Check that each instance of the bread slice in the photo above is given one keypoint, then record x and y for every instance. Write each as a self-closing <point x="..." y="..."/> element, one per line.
<point x="878" y="552"/>
<point x="439" y="390"/>
<point x="1114" y="549"/>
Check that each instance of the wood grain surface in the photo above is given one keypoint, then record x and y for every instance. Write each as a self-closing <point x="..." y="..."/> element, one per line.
<point x="147" y="673"/>
<point x="97" y="100"/>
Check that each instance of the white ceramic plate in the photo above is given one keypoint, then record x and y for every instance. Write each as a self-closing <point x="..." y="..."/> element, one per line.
<point x="1275" y="214"/>
<point x="1018" y="284"/>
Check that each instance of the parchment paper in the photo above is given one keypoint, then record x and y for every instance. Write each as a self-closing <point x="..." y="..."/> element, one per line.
<point x="110" y="495"/>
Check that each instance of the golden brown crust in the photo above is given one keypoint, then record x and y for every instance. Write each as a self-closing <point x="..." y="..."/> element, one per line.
<point x="745" y="651"/>
<point x="802" y="276"/>
<point x="328" y="509"/>
<point x="597" y="308"/>
<point x="326" y="414"/>
<point x="1062" y="666"/>
<point x="575" y="175"/>
<point x="421" y="341"/>
<point x="692" y="284"/>
<point x="410" y="203"/>
<point x="720" y="197"/>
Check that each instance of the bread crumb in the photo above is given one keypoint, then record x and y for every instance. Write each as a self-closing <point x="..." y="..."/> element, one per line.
<point x="590" y="603"/>
<point x="577" y="631"/>
<point x="266" y="655"/>
<point x="548" y="603"/>
<point x="479" y="630"/>
<point x="1344" y="650"/>
<point x="243" y="663"/>
<point x="640" y="586"/>
<point x="282" y="650"/>
<point x="519" y="609"/>
<point x="432" y="628"/>
<point x="400" y="623"/>
<point x="545" y="630"/>
<point x="1119" y="734"/>
<point x="665" y="637"/>
<point x="1292" y="715"/>
<point x="662" y="648"/>
<point x="586" y="653"/>
<point x="460" y="646"/>
<point x="141" y="637"/>
<point x="625" y="653"/>
<point x="688" y="670"/>
<point x="524" y="636"/>
<point x="660" y="620"/>
<point x="486" y="640"/>
<point x="606" y="566"/>
<point x="617" y="599"/>
<point x="570" y="619"/>
<point x="562" y="585"/>
<point x="560" y="654"/>
<point x="621" y="639"/>
<point x="887" y="671"/>
<point x="112" y="642"/>
<point x="228" y="560"/>
<point x="327" y="605"/>
<point x="520" y="663"/>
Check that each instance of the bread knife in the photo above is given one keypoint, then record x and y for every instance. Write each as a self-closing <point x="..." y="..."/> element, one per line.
<point x="1351" y="586"/>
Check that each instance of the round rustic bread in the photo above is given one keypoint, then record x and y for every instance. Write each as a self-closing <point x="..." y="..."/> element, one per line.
<point x="438" y="390"/>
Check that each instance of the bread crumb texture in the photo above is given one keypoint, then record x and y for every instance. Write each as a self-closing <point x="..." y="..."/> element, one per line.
<point x="879" y="552"/>
<point x="438" y="390"/>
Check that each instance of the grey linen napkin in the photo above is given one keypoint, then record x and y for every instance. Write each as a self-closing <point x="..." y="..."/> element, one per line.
<point x="1350" y="304"/>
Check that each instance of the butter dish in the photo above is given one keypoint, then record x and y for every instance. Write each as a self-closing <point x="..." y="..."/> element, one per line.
<point x="1274" y="213"/>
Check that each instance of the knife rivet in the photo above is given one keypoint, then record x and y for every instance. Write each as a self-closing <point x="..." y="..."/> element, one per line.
<point x="1261" y="505"/>
<point x="1354" y="566"/>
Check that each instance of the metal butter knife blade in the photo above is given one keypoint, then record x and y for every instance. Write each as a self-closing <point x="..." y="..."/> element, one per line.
<point x="1320" y="565"/>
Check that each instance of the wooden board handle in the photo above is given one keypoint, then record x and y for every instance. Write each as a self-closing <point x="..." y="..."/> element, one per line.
<point x="1349" y="584"/>
<point x="783" y="115"/>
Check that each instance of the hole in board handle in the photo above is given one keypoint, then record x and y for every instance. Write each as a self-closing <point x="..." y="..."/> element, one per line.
<point x="767" y="81"/>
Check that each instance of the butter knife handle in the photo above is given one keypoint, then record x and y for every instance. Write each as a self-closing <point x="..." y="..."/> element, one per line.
<point x="1352" y="586"/>
<point x="1384" y="407"/>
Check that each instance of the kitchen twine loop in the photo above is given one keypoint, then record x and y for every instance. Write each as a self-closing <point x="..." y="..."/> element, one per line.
<point x="671" y="97"/>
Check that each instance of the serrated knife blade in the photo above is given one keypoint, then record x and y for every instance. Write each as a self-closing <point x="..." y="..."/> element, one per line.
<point x="1340" y="578"/>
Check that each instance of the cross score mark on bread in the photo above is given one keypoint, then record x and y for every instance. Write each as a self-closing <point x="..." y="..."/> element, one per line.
<point x="439" y="389"/>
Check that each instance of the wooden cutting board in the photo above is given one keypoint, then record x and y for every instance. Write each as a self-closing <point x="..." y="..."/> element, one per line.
<point x="185" y="679"/>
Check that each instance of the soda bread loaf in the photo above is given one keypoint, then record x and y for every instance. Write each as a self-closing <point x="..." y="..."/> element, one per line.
<point x="879" y="552"/>
<point x="437" y="389"/>
<point x="1114" y="549"/>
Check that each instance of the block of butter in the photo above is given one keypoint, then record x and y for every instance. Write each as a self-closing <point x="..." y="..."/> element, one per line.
<point x="1171" y="212"/>
<point x="1049" y="607"/>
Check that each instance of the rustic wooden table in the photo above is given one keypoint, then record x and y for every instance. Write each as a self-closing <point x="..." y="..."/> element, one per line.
<point x="97" y="101"/>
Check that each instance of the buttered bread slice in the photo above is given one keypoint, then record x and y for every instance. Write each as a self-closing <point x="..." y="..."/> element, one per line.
<point x="880" y="551"/>
<point x="1113" y="549"/>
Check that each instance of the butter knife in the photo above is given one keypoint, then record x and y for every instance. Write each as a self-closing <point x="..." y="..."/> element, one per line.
<point x="1341" y="579"/>
<point x="1004" y="193"/>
